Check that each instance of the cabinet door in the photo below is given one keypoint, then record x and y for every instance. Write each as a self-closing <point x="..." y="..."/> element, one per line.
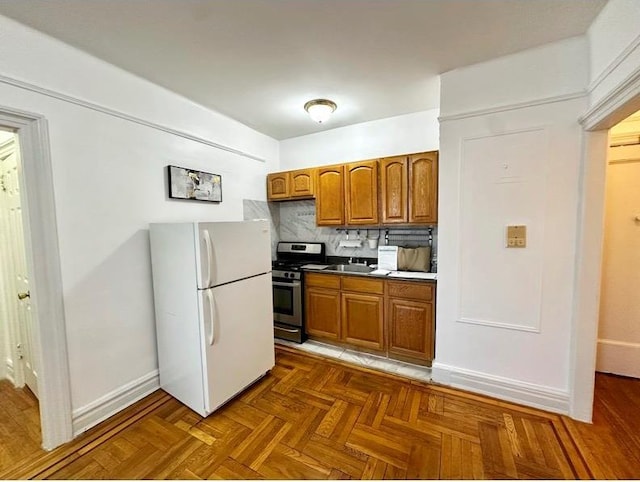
<point x="394" y="172"/>
<point x="423" y="188"/>
<point x="411" y="328"/>
<point x="277" y="186"/>
<point x="361" y="192"/>
<point x="362" y="320"/>
<point x="322" y="309"/>
<point x="330" y="197"/>
<point x="302" y="183"/>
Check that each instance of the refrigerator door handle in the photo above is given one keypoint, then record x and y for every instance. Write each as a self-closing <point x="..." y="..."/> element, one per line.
<point x="208" y="260"/>
<point x="212" y="308"/>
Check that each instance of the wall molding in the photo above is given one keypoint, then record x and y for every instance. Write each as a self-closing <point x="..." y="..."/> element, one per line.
<point x="459" y="318"/>
<point x="498" y="324"/>
<point x="122" y="115"/>
<point x="529" y="394"/>
<point x="597" y="116"/>
<point x="614" y="64"/>
<point x="516" y="106"/>
<point x="113" y="402"/>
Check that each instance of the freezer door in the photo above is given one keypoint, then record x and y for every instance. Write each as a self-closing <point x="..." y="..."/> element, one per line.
<point x="238" y="337"/>
<point x="230" y="251"/>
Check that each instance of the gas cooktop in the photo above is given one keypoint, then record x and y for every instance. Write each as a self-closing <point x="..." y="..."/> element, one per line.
<point x="291" y="256"/>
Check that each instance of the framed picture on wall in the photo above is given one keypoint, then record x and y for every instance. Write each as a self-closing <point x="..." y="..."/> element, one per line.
<point x="197" y="185"/>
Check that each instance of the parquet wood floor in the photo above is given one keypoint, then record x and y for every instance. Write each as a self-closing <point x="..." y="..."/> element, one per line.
<point x="312" y="418"/>
<point x="19" y="425"/>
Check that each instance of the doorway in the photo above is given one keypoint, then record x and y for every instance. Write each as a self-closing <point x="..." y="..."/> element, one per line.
<point x="16" y="320"/>
<point x="36" y="348"/>
<point x="619" y="321"/>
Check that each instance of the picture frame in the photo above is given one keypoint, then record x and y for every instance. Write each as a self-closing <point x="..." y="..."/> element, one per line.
<point x="185" y="183"/>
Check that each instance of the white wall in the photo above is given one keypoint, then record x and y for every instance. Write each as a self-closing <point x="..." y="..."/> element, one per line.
<point x="417" y="132"/>
<point x="109" y="171"/>
<point x="504" y="315"/>
<point x="513" y="80"/>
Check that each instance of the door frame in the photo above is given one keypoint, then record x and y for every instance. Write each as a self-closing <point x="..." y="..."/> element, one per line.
<point x="623" y="101"/>
<point x="43" y="265"/>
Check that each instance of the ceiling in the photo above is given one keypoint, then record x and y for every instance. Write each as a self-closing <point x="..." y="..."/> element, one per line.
<point x="259" y="61"/>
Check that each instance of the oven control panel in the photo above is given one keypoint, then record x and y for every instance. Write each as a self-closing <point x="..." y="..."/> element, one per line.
<point x="287" y="275"/>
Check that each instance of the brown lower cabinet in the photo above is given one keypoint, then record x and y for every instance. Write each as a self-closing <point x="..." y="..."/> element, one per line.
<point x="394" y="317"/>
<point x="322" y="305"/>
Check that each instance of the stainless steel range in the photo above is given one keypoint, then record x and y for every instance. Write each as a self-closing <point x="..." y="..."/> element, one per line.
<point x="288" y="287"/>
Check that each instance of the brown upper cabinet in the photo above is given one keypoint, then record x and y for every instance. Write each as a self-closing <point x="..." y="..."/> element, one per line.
<point x="302" y="183"/>
<point x="285" y="186"/>
<point x="394" y="180"/>
<point x="389" y="191"/>
<point x="278" y="186"/>
<point x="330" y="196"/>
<point x="361" y="193"/>
<point x="409" y="187"/>
<point x="423" y="188"/>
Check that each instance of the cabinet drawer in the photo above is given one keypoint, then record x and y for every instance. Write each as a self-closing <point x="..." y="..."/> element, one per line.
<point x="355" y="283"/>
<point x="415" y="291"/>
<point x="322" y="280"/>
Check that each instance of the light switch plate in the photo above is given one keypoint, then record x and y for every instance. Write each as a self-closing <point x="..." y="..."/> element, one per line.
<point x="516" y="236"/>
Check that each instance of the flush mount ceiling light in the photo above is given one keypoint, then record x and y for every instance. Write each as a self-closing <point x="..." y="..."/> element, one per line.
<point x="320" y="109"/>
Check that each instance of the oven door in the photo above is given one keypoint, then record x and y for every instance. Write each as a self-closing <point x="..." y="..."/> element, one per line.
<point x="287" y="302"/>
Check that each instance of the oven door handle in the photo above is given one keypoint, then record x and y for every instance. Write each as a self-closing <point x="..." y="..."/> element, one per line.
<point x="293" y="283"/>
<point x="286" y="329"/>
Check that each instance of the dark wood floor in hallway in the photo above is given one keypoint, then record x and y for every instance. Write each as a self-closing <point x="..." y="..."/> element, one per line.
<point x="312" y="418"/>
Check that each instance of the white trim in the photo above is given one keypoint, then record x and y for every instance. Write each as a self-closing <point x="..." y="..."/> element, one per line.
<point x="598" y="116"/>
<point x="516" y="106"/>
<point x="619" y="357"/>
<point x="615" y="63"/>
<point x="621" y="102"/>
<point x="113" y="402"/>
<point x="588" y="264"/>
<point x="122" y="115"/>
<point x="529" y="394"/>
<point x="43" y="264"/>
<point x="498" y="324"/>
<point x="624" y="344"/>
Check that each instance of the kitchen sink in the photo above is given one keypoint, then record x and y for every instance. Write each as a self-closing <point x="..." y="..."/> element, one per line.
<point x="350" y="268"/>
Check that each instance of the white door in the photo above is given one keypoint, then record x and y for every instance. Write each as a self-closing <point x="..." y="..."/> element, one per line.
<point x="15" y="269"/>
<point x="238" y="337"/>
<point x="619" y="327"/>
<point x="231" y="251"/>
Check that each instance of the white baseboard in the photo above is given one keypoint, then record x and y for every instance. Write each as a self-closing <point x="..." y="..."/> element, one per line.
<point x="113" y="402"/>
<point x="529" y="394"/>
<point x="618" y="357"/>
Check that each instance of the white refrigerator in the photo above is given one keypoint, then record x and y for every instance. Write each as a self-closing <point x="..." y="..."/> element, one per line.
<point x="214" y="309"/>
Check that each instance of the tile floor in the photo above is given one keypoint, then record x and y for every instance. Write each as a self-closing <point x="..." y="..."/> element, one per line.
<point x="363" y="359"/>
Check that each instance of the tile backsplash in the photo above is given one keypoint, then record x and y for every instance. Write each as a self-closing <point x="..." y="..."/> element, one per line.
<point x="296" y="221"/>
